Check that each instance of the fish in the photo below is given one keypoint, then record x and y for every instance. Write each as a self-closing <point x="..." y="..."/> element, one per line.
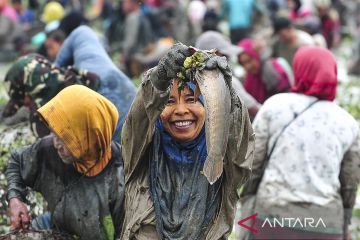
<point x="217" y="100"/>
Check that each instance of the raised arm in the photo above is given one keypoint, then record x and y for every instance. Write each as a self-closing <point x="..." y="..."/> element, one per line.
<point x="151" y="98"/>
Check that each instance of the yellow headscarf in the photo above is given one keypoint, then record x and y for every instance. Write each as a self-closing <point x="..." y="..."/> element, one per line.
<point x="86" y="122"/>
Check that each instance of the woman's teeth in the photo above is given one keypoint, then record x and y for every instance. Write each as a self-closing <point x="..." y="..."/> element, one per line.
<point x="183" y="123"/>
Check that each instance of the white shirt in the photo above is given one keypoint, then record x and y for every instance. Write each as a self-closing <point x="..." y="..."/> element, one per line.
<point x="306" y="162"/>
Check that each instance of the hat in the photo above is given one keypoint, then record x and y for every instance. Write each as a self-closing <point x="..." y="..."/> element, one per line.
<point x="52" y="11"/>
<point x="281" y="23"/>
<point x="212" y="39"/>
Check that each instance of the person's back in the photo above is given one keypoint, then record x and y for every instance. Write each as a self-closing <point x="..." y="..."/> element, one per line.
<point x="307" y="155"/>
<point x="323" y="134"/>
<point x="83" y="50"/>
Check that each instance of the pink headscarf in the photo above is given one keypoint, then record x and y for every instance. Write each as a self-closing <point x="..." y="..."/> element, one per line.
<point x="253" y="83"/>
<point x="315" y="73"/>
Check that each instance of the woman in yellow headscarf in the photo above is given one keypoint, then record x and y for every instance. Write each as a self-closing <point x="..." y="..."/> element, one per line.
<point x="78" y="169"/>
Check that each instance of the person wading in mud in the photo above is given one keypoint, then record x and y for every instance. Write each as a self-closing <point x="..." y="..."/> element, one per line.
<point x="164" y="150"/>
<point x="77" y="169"/>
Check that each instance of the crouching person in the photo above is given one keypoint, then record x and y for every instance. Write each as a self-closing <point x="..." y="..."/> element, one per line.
<point x="77" y="168"/>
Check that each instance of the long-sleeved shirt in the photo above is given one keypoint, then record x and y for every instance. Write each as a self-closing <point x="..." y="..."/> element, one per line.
<point x="139" y="221"/>
<point x="89" y="207"/>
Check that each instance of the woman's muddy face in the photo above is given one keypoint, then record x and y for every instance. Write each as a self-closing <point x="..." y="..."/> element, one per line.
<point x="183" y="116"/>
<point x="249" y="64"/>
<point x="63" y="152"/>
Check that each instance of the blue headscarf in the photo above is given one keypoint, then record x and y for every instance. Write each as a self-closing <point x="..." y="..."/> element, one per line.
<point x="184" y="152"/>
<point x="182" y="196"/>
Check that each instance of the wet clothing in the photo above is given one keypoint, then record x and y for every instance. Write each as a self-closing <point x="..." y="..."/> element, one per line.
<point x="35" y="76"/>
<point x="313" y="171"/>
<point x="85" y="197"/>
<point x="89" y="207"/>
<point x="86" y="128"/>
<point x="186" y="211"/>
<point x="83" y="50"/>
<point x="141" y="217"/>
<point x="271" y="79"/>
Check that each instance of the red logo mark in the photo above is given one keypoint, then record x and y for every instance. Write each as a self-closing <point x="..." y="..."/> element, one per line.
<point x="253" y="217"/>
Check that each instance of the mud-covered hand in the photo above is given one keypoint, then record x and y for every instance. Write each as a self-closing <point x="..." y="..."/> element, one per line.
<point x="19" y="214"/>
<point x="222" y="64"/>
<point x="169" y="65"/>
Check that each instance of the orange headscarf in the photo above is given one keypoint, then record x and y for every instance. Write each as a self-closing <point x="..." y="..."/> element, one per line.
<point x="86" y="122"/>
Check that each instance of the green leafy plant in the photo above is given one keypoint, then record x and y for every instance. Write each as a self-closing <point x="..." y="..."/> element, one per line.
<point x="191" y="64"/>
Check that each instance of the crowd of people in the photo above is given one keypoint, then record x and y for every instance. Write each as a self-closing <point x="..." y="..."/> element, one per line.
<point x="120" y="160"/>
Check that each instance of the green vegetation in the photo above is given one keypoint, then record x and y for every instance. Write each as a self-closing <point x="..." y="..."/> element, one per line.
<point x="195" y="61"/>
<point x="349" y="96"/>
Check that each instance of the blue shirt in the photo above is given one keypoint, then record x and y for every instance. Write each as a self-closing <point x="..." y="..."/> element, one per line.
<point x="238" y="12"/>
<point x="83" y="50"/>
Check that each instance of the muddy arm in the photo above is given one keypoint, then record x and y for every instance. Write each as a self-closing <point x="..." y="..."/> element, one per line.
<point x="139" y="125"/>
<point x="117" y="200"/>
<point x="22" y="170"/>
<point x="350" y="179"/>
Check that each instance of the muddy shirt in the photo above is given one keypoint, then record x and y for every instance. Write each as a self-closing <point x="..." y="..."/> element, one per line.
<point x="89" y="207"/>
<point x="138" y="133"/>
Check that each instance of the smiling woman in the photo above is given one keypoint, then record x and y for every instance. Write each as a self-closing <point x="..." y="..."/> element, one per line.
<point x="183" y="116"/>
<point x="166" y="148"/>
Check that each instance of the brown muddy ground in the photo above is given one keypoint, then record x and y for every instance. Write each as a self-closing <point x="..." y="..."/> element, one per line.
<point x="36" y="235"/>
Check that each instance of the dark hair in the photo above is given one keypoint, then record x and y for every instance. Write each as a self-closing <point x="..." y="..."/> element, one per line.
<point x="297" y="5"/>
<point x="72" y="21"/>
<point x="57" y="35"/>
<point x="281" y="23"/>
<point x="210" y="21"/>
